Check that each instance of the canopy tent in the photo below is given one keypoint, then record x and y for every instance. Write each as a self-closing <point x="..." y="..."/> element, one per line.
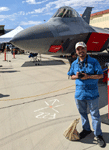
<point x="8" y="36"/>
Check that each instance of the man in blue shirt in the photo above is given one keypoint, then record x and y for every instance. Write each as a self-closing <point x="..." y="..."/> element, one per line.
<point x="87" y="70"/>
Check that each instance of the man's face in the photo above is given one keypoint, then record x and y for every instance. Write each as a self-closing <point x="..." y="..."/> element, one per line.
<point x="81" y="51"/>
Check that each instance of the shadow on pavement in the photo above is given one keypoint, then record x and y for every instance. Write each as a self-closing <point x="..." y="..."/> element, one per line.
<point x="43" y="63"/>
<point x="6" y="68"/>
<point x="90" y="139"/>
<point x="9" y="71"/>
<point x="103" y="95"/>
<point x="1" y="95"/>
<point x="104" y="119"/>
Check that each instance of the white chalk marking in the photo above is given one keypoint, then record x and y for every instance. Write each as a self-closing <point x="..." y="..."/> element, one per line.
<point x="41" y="113"/>
<point x="59" y="105"/>
<point x="41" y="109"/>
<point x="54" y="101"/>
<point x="55" y="110"/>
<point x="53" y="116"/>
<point x="46" y="103"/>
<point x="45" y="115"/>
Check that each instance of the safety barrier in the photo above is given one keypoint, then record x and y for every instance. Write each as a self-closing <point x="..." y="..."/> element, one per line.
<point x="5" y="54"/>
<point x="13" y="53"/>
<point x="108" y="90"/>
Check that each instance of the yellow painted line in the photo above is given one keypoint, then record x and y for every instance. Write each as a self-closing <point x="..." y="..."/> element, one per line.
<point x="36" y="95"/>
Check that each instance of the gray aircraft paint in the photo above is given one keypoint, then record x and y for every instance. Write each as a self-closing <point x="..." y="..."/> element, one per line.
<point x="39" y="38"/>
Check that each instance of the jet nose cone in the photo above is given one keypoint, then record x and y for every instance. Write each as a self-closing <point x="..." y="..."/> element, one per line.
<point x="32" y="38"/>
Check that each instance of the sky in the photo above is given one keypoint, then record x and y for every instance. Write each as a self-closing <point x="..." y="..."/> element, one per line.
<point x="27" y="13"/>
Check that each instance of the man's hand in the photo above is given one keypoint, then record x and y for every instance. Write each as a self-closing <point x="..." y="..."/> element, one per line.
<point x="73" y="77"/>
<point x="77" y="75"/>
<point x="85" y="76"/>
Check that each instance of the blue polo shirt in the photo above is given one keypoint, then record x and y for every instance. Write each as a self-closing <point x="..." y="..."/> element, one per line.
<point x="86" y="89"/>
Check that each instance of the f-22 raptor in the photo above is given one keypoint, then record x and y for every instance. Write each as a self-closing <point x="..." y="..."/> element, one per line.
<point x="60" y="34"/>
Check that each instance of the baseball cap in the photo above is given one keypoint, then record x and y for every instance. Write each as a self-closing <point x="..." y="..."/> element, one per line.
<point x="80" y="44"/>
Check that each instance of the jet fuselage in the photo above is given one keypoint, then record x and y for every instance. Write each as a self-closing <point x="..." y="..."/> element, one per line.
<point x="62" y="29"/>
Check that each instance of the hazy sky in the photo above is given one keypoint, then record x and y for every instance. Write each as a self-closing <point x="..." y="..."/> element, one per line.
<point x="27" y="13"/>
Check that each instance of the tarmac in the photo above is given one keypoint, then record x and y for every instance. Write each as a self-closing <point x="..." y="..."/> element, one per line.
<point x="37" y="105"/>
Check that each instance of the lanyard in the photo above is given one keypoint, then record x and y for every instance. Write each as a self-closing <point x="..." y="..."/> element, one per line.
<point x="81" y="65"/>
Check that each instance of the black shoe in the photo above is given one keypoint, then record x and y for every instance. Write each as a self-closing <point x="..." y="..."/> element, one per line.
<point x="101" y="141"/>
<point x="84" y="133"/>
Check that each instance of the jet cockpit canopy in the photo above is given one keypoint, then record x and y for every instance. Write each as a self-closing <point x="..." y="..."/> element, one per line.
<point x="66" y="12"/>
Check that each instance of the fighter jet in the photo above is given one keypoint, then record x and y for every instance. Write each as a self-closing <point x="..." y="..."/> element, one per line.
<point x="60" y="34"/>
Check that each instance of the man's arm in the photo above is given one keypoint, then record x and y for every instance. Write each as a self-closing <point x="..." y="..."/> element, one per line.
<point x="98" y="76"/>
<point x="73" y="77"/>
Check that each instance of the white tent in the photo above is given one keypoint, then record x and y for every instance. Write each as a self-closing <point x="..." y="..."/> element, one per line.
<point x="8" y="36"/>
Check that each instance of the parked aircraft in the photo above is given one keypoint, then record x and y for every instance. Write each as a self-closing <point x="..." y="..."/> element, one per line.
<point x="61" y="32"/>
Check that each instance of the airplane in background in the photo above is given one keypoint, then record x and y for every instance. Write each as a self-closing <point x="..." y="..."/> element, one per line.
<point x="60" y="34"/>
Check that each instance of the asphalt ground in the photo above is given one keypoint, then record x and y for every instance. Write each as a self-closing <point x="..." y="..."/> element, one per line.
<point x="37" y="105"/>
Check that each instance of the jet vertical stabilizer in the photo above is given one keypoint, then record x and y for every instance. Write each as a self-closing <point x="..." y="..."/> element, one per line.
<point x="86" y="14"/>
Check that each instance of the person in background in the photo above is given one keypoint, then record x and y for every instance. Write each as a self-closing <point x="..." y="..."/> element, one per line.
<point x="72" y="58"/>
<point x="86" y="71"/>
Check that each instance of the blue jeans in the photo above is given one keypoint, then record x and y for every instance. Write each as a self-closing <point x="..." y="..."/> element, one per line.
<point x="94" y="111"/>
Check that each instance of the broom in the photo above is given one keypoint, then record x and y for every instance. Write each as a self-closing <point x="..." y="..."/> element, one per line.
<point x="71" y="133"/>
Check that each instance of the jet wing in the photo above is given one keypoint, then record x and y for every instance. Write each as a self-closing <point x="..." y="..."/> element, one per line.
<point x="100" y="30"/>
